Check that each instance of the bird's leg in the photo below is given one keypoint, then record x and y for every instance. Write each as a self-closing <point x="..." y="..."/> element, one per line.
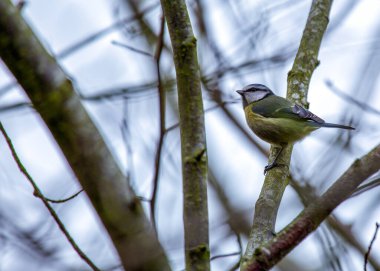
<point x="274" y="163"/>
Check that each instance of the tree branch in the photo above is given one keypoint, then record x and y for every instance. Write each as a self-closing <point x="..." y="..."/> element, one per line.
<point x="308" y="195"/>
<point x="162" y="116"/>
<point x="193" y="139"/>
<point x="59" y="106"/>
<point x="298" y="83"/>
<point x="311" y="217"/>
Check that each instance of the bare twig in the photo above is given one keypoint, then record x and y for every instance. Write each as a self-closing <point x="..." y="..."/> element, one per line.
<point x="237" y="264"/>
<point x="7" y="87"/>
<point x="124" y="92"/>
<point x="125" y="130"/>
<point x="38" y="193"/>
<point x="133" y="49"/>
<point x="350" y="99"/>
<point x="18" y="105"/>
<point x="71" y="49"/>
<point x="62" y="200"/>
<point x="162" y="98"/>
<point x="225" y="255"/>
<point x="370" y="246"/>
<point x="365" y="187"/>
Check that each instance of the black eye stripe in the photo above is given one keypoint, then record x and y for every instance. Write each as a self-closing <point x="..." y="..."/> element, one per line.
<point x="255" y="87"/>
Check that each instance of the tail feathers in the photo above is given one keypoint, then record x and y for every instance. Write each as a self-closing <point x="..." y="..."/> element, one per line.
<point x="332" y="125"/>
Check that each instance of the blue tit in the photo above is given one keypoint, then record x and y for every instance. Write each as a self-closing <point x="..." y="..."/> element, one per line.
<point x="277" y="120"/>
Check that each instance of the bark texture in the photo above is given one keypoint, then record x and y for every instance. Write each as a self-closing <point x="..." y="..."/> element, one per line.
<point x="193" y="139"/>
<point x="276" y="180"/>
<point x="54" y="98"/>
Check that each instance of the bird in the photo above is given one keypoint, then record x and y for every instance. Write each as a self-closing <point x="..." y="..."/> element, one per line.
<point x="277" y="120"/>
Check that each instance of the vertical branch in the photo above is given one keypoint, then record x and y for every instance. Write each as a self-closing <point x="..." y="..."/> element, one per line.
<point x="193" y="139"/>
<point x="306" y="60"/>
<point x="299" y="77"/>
<point x="162" y="98"/>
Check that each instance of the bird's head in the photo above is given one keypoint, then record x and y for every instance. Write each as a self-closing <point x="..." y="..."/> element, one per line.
<point x="253" y="93"/>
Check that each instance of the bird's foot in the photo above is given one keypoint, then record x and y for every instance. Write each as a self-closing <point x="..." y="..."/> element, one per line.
<point x="272" y="165"/>
<point x="269" y="167"/>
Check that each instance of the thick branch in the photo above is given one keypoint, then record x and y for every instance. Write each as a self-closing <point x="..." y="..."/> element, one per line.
<point x="309" y="219"/>
<point x="59" y="106"/>
<point x="308" y="195"/>
<point x="193" y="140"/>
<point x="298" y="83"/>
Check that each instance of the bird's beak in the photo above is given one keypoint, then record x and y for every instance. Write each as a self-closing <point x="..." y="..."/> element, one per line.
<point x="241" y="92"/>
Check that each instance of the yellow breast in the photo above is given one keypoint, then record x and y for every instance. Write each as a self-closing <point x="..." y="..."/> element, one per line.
<point x="277" y="131"/>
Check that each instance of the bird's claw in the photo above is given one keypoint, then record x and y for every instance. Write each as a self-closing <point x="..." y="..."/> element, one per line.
<point x="269" y="167"/>
<point x="273" y="165"/>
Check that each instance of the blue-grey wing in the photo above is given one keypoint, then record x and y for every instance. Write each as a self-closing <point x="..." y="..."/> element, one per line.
<point x="278" y="107"/>
<point x="306" y="114"/>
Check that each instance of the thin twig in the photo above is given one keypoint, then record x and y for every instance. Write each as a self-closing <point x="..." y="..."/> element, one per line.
<point x="240" y="243"/>
<point x="126" y="133"/>
<point x="207" y="110"/>
<point x="133" y="49"/>
<point x="370" y="246"/>
<point x="350" y="99"/>
<point x="62" y="200"/>
<point x="71" y="49"/>
<point x="38" y="193"/>
<point x="225" y="255"/>
<point x="125" y="92"/>
<point x="7" y="87"/>
<point x="15" y="106"/>
<point x="368" y="186"/>
<point x="162" y="98"/>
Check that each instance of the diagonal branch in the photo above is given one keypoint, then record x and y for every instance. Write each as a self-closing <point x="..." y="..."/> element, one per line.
<point x="312" y="216"/>
<point x="308" y="195"/>
<point x="85" y="150"/>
